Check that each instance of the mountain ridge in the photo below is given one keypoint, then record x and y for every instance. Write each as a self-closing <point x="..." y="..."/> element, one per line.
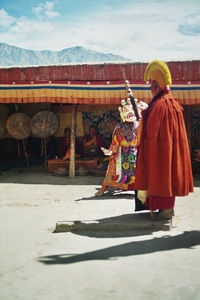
<point x="16" y="56"/>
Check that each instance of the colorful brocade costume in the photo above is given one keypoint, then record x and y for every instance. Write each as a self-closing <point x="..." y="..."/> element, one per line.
<point x="122" y="163"/>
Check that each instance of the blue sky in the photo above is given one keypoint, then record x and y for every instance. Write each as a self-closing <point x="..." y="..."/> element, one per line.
<point x="140" y="30"/>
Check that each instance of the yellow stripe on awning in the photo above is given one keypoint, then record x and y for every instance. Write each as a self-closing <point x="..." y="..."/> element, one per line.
<point x="89" y="93"/>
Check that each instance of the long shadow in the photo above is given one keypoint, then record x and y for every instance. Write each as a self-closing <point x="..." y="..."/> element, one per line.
<point x="186" y="240"/>
<point x="114" y="234"/>
<point x="118" y="226"/>
<point x="110" y="196"/>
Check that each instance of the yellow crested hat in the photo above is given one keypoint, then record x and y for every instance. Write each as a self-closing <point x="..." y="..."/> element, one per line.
<point x="158" y="70"/>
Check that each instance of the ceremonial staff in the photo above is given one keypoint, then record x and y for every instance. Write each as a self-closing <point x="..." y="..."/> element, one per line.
<point x="130" y="94"/>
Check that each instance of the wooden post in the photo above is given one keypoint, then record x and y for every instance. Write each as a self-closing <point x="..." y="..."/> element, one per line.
<point x="45" y="152"/>
<point x="72" y="142"/>
<point x="26" y="154"/>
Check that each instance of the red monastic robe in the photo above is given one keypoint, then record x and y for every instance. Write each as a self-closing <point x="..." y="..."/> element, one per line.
<point x="163" y="163"/>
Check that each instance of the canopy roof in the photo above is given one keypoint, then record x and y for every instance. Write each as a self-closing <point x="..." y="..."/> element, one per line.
<point x="93" y="84"/>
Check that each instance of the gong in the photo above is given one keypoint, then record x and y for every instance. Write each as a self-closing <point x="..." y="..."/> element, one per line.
<point x="44" y="124"/>
<point x="18" y="126"/>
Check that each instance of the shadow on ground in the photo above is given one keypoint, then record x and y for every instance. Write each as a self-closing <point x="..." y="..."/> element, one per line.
<point x="124" y="225"/>
<point x="25" y="176"/>
<point x="41" y="176"/>
<point x="110" y="196"/>
<point x="185" y="240"/>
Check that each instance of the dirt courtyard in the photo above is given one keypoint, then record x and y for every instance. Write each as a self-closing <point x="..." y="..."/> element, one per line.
<point x="38" y="264"/>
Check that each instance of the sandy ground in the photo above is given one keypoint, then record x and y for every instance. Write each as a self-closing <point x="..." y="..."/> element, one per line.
<point x="38" y="264"/>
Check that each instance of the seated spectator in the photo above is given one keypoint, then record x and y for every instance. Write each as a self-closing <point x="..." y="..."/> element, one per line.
<point x="92" y="144"/>
<point x="64" y="144"/>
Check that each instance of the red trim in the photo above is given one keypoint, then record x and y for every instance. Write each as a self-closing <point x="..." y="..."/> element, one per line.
<point x="108" y="82"/>
<point x="91" y="82"/>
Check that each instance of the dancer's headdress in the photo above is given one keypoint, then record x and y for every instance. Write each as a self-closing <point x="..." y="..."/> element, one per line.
<point x="158" y="70"/>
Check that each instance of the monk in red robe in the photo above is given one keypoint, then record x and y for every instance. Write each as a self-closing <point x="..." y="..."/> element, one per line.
<point x="92" y="144"/>
<point x="64" y="144"/>
<point x="163" y="165"/>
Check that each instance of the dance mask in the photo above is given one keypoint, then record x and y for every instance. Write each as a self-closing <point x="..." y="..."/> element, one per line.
<point x="127" y="112"/>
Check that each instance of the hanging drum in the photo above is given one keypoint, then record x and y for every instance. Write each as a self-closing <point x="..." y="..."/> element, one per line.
<point x="44" y="124"/>
<point x="18" y="126"/>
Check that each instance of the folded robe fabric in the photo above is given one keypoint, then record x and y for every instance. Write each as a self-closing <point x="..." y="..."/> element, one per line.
<point x="163" y="162"/>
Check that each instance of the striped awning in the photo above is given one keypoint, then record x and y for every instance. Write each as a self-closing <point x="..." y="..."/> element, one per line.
<point x="89" y="92"/>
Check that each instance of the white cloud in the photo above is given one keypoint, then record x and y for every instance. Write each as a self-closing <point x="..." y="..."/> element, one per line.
<point x="51" y="14"/>
<point x="46" y="9"/>
<point x="37" y="10"/>
<point x="5" y="19"/>
<point x="26" y="26"/>
<point x="190" y="25"/>
<point x="49" y="5"/>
